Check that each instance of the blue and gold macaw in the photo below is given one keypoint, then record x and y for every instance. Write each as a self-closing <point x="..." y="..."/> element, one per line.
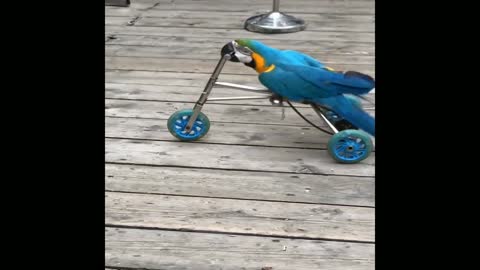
<point x="301" y="78"/>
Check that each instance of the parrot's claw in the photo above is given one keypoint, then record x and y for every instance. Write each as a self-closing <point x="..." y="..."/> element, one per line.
<point x="276" y="100"/>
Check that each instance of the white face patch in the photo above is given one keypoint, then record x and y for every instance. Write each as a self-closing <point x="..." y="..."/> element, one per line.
<point x="243" y="58"/>
<point x="243" y="54"/>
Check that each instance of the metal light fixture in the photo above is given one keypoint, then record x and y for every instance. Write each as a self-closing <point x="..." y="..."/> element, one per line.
<point x="274" y="22"/>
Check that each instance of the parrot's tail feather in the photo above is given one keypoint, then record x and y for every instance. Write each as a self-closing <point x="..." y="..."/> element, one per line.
<point x="360" y="75"/>
<point x="363" y="121"/>
<point x="353" y="114"/>
<point x="364" y="98"/>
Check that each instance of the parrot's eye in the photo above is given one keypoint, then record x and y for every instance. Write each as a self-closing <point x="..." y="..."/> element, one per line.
<point x="242" y="50"/>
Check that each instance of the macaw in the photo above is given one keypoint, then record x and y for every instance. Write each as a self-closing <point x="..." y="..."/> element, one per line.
<point x="301" y="78"/>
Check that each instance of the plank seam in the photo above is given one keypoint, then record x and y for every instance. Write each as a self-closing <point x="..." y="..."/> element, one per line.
<point x="108" y="225"/>
<point x="230" y="169"/>
<point x="231" y="198"/>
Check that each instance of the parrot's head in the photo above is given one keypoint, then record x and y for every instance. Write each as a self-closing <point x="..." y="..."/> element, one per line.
<point x="250" y="52"/>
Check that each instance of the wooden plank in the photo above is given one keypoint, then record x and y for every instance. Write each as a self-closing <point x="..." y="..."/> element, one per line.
<point x="202" y="53"/>
<point x="333" y="7"/>
<point x="251" y="7"/>
<point x="176" y="78"/>
<point x="175" y="93"/>
<point x="344" y="223"/>
<point x="346" y="2"/>
<point x="174" y="64"/>
<point x="225" y="113"/>
<point x="152" y="249"/>
<point x="130" y="11"/>
<point x="215" y="112"/>
<point x="233" y="19"/>
<point x="232" y="157"/>
<point x="236" y="20"/>
<point x="230" y="15"/>
<point x="302" y="188"/>
<point x="222" y="133"/>
<point x="230" y="34"/>
<point x="179" y="45"/>
<point x="216" y="43"/>
<point x="118" y="21"/>
<point x="189" y="93"/>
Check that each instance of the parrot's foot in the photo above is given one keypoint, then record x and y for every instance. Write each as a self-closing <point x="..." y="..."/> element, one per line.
<point x="276" y="100"/>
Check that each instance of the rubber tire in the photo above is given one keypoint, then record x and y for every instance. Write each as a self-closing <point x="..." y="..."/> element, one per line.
<point x="172" y="123"/>
<point x="349" y="137"/>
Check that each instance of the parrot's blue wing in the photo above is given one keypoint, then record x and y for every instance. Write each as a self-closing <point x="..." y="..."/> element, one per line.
<point x="301" y="58"/>
<point x="343" y="83"/>
<point x="290" y="85"/>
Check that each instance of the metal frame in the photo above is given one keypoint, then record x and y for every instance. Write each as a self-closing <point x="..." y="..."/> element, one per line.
<point x="263" y="93"/>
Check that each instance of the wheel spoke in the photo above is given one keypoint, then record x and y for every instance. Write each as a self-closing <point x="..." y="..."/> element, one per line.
<point x="340" y="147"/>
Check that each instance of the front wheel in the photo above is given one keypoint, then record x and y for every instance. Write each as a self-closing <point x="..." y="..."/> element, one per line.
<point x="350" y="146"/>
<point x="179" y="120"/>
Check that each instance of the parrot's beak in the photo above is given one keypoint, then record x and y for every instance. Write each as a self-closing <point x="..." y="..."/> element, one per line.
<point x="238" y="53"/>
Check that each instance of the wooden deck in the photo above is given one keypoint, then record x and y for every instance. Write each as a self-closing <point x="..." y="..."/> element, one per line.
<point x="258" y="192"/>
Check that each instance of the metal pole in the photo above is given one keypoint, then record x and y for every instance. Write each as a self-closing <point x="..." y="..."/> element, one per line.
<point x="208" y="88"/>
<point x="238" y="98"/>
<point x="243" y="87"/>
<point x="319" y="112"/>
<point x="274" y="22"/>
<point x="276" y="5"/>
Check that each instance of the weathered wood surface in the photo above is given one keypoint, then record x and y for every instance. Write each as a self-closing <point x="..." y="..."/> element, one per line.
<point x="232" y="157"/>
<point x="175" y="78"/>
<point x="216" y="112"/>
<point x="226" y="113"/>
<point x="229" y="34"/>
<point x="236" y="20"/>
<point x="330" y="47"/>
<point x="169" y="93"/>
<point x="329" y="222"/>
<point x="303" y="188"/>
<point x="191" y="94"/>
<point x="222" y="133"/>
<point x="249" y="6"/>
<point x="151" y="249"/>
<point x="200" y="65"/>
<point x="254" y="174"/>
<point x="205" y="53"/>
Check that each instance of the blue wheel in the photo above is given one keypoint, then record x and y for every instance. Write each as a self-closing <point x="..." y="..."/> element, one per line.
<point x="179" y="120"/>
<point x="350" y="146"/>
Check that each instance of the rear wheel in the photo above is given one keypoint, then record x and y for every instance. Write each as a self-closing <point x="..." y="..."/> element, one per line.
<point x="350" y="146"/>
